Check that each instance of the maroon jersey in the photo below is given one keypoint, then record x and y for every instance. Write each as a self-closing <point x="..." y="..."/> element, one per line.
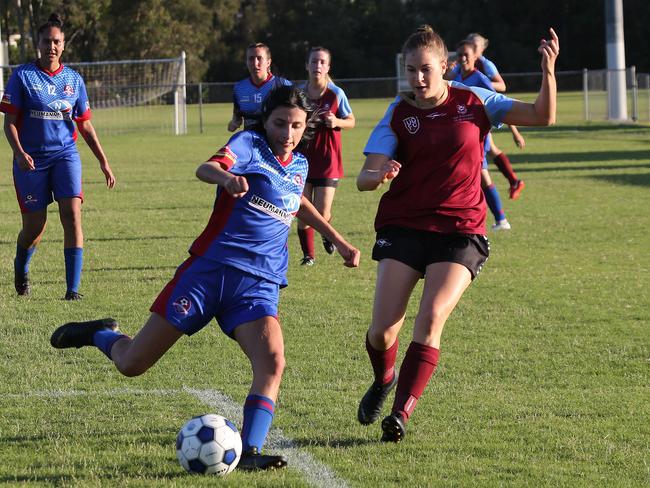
<point x="440" y="149"/>
<point x="324" y="151"/>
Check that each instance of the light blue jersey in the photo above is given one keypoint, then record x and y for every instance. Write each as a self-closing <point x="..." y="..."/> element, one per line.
<point x="248" y="98"/>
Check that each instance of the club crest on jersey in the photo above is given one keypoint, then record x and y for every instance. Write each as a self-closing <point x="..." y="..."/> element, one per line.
<point x="297" y="179"/>
<point x="182" y="305"/>
<point x="291" y="202"/>
<point x="68" y="91"/>
<point x="412" y="124"/>
<point x="462" y="109"/>
<point x="62" y="106"/>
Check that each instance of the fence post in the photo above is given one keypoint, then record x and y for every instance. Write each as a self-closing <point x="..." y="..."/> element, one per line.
<point x="201" y="107"/>
<point x="635" y="93"/>
<point x="585" y="92"/>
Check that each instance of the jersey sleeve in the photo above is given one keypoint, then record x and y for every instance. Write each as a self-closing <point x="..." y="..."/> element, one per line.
<point x="284" y="81"/>
<point x="235" y="104"/>
<point x="82" y="106"/>
<point x="12" y="100"/>
<point x="344" y="108"/>
<point x="236" y="154"/>
<point x="489" y="67"/>
<point x="382" y="139"/>
<point x="496" y="105"/>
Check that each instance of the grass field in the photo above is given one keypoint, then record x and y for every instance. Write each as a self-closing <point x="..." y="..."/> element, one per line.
<point x="544" y="373"/>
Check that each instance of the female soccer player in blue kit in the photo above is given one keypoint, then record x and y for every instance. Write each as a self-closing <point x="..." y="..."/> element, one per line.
<point x="431" y="221"/>
<point x="42" y="103"/>
<point x="249" y="93"/>
<point x="236" y="266"/>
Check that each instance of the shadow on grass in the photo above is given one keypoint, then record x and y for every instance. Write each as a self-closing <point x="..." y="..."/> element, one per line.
<point x="633" y="180"/>
<point x="579" y="157"/>
<point x="332" y="442"/>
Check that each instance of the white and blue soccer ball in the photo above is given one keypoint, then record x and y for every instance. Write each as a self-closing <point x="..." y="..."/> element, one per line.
<point x="209" y="444"/>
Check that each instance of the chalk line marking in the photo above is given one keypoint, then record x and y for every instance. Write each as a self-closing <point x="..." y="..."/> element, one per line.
<point x="315" y="473"/>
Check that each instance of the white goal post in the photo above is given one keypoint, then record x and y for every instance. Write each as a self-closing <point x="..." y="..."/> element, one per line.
<point x="133" y="95"/>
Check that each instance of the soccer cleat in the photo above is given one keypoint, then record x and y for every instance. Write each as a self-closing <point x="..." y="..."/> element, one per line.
<point x="252" y="460"/>
<point x="72" y="295"/>
<point x="516" y="189"/>
<point x="307" y="261"/>
<point x="79" y="334"/>
<point x="393" y="427"/>
<point x="21" y="282"/>
<point x="502" y="225"/>
<point x="329" y="247"/>
<point x="371" y="403"/>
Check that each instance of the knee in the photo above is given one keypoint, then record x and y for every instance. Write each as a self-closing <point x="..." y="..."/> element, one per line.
<point x="382" y="339"/>
<point x="132" y="366"/>
<point x="70" y="217"/>
<point x="272" y="364"/>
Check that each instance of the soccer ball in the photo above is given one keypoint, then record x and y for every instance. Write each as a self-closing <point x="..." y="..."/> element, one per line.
<point x="209" y="444"/>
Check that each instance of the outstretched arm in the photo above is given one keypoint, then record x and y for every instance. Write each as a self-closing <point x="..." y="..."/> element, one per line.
<point x="310" y="216"/>
<point x="542" y="111"/>
<point x="212" y="172"/>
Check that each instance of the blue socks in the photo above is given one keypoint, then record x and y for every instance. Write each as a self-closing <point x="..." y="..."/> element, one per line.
<point x="23" y="257"/>
<point x="494" y="202"/>
<point x="258" y="415"/>
<point x="104" y="340"/>
<point x="74" y="257"/>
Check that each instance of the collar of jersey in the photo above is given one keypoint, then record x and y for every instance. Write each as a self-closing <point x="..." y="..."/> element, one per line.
<point x="264" y="82"/>
<point x="48" y="72"/>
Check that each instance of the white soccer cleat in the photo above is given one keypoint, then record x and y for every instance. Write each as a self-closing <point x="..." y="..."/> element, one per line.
<point x="502" y="225"/>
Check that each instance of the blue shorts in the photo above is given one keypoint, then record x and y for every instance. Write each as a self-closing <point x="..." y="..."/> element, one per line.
<point x="486" y="149"/>
<point x="203" y="289"/>
<point x="53" y="179"/>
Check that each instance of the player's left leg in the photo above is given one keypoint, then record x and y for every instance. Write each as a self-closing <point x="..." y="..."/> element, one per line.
<point x="494" y="201"/>
<point x="306" y="233"/>
<point x="70" y="215"/>
<point x="505" y="167"/>
<point x="323" y="199"/>
<point x="444" y="284"/>
<point x="262" y="342"/>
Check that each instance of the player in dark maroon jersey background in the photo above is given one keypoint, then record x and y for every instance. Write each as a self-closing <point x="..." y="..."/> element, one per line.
<point x="431" y="222"/>
<point x="324" y="150"/>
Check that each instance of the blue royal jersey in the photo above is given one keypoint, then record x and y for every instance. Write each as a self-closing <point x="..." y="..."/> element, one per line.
<point x="47" y="105"/>
<point x="475" y="78"/>
<point x="250" y="233"/>
<point x="484" y="65"/>
<point x="248" y="98"/>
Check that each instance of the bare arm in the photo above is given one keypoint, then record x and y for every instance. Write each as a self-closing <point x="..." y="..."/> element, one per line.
<point x="212" y="172"/>
<point x="332" y="121"/>
<point x="517" y="137"/>
<point x="498" y="83"/>
<point x="542" y="111"/>
<point x="87" y="131"/>
<point x="24" y="160"/>
<point x="235" y="122"/>
<point x="312" y="217"/>
<point x="376" y="171"/>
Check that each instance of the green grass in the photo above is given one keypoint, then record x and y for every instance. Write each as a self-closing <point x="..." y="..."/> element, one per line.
<point x="543" y="378"/>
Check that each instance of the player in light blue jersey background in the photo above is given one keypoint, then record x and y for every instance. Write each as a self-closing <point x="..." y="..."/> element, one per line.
<point x="249" y="93"/>
<point x="42" y="103"/>
<point x="236" y="268"/>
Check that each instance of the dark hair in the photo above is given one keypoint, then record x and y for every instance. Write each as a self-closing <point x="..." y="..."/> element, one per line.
<point x="316" y="49"/>
<point x="292" y="97"/>
<point x="54" y="21"/>
<point x="466" y="42"/>
<point x="425" y="37"/>
<point x="260" y="45"/>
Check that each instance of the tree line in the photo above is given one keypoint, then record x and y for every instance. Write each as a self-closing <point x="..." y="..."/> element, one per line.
<point x="363" y="35"/>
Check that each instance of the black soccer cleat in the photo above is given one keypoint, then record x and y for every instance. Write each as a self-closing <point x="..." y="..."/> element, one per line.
<point x="371" y="403"/>
<point x="307" y="261"/>
<point x="21" y="282"/>
<point x="329" y="247"/>
<point x="393" y="427"/>
<point x="79" y="334"/>
<point x="252" y="460"/>
<point x="72" y="295"/>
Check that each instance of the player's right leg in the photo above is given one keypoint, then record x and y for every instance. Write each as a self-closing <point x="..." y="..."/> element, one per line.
<point x="28" y="238"/>
<point x="323" y="199"/>
<point x="262" y="342"/>
<point x="306" y="233"/>
<point x="395" y="282"/>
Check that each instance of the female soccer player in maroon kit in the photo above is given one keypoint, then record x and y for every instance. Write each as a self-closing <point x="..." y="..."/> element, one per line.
<point x="431" y="222"/>
<point x="324" y="151"/>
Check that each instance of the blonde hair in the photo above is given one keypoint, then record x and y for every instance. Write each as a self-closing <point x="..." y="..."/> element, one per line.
<point x="425" y="37"/>
<point x="478" y="39"/>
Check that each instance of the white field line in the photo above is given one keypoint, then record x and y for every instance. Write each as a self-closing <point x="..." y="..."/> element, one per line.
<point x="314" y="472"/>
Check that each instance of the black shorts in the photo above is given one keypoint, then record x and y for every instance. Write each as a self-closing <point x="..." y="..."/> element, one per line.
<point x="331" y="182"/>
<point x="420" y="248"/>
